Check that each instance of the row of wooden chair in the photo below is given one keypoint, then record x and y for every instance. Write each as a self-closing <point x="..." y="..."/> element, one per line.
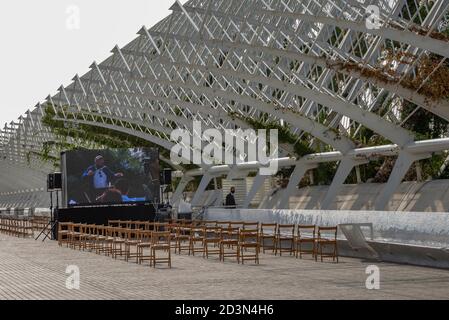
<point x="243" y="244"/>
<point x="118" y="241"/>
<point x="290" y="238"/>
<point x="17" y="227"/>
<point x="141" y="240"/>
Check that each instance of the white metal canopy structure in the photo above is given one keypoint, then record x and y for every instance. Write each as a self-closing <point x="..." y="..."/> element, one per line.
<point x="316" y="67"/>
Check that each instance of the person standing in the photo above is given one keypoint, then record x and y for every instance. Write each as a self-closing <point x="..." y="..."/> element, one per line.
<point x="230" y="199"/>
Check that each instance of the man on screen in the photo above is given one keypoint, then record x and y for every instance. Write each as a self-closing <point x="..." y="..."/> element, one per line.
<point x="100" y="176"/>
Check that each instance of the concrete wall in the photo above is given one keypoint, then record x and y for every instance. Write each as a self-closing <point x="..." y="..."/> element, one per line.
<point x="429" y="196"/>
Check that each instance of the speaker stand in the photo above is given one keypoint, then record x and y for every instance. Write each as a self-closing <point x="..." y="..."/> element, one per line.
<point x="53" y="222"/>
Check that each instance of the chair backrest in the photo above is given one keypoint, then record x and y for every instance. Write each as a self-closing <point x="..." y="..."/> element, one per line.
<point x="131" y="234"/>
<point x="210" y="223"/>
<point x="286" y="229"/>
<point x="160" y="237"/>
<point x="172" y="226"/>
<point x="250" y="225"/>
<point x="230" y="233"/>
<point x="148" y="225"/>
<point x="198" y="231"/>
<point x="111" y="231"/>
<point x="160" y="226"/>
<point x="76" y="227"/>
<point x="91" y="229"/>
<point x="84" y="228"/>
<point x="213" y="232"/>
<point x="268" y="228"/>
<point x="236" y="224"/>
<point x="120" y="233"/>
<point x="329" y="233"/>
<point x="144" y="235"/>
<point x="114" y="223"/>
<point x="197" y="222"/>
<point x="141" y="225"/>
<point x="131" y="224"/>
<point x="249" y="235"/>
<point x="61" y="225"/>
<point x="180" y="221"/>
<point x="101" y="230"/>
<point x="306" y="231"/>
<point x="223" y="224"/>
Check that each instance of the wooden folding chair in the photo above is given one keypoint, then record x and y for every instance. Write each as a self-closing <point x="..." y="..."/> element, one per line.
<point x="327" y="236"/>
<point x="118" y="242"/>
<point x="104" y="240"/>
<point x="212" y="236"/>
<point x="160" y="241"/>
<point x="229" y="243"/>
<point x="132" y="240"/>
<point x="77" y="236"/>
<point x="285" y="234"/>
<point x="90" y="237"/>
<point x="197" y="235"/>
<point x="249" y="239"/>
<point x="145" y="238"/>
<point x="305" y="235"/>
<point x="181" y="238"/>
<point x="268" y="232"/>
<point x="64" y="228"/>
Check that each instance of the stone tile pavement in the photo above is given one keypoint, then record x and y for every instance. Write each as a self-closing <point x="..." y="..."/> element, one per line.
<point x="32" y="269"/>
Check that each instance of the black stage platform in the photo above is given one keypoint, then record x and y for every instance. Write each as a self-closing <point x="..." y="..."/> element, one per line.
<point x="100" y="215"/>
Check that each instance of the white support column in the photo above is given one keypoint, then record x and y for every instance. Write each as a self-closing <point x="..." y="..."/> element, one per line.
<point x="344" y="169"/>
<point x="311" y="177"/>
<point x="359" y="176"/>
<point x="180" y="189"/>
<point x="298" y="173"/>
<point x="418" y="171"/>
<point x="402" y="165"/>
<point x="259" y="180"/>
<point x="207" y="177"/>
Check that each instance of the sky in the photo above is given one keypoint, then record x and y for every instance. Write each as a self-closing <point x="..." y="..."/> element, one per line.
<point x="44" y="43"/>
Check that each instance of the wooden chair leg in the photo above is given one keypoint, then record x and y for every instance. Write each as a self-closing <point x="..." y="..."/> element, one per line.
<point x="292" y="248"/>
<point x="169" y="258"/>
<point x="321" y="252"/>
<point x="238" y="255"/>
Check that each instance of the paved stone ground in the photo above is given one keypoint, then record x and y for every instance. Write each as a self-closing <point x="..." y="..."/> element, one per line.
<point x="34" y="270"/>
